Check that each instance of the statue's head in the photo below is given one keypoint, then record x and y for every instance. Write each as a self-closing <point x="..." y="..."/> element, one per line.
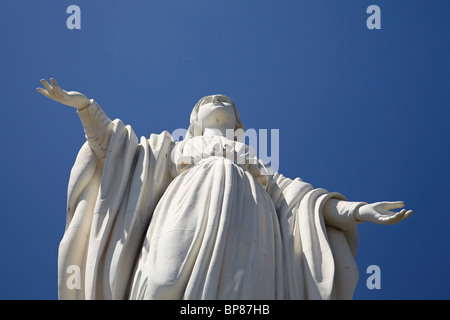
<point x="214" y="111"/>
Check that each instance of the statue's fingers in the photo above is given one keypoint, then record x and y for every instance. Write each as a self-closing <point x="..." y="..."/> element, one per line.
<point x="53" y="82"/>
<point x="408" y="213"/>
<point x="43" y="91"/>
<point x="391" y="217"/>
<point x="55" y="85"/>
<point x="404" y="214"/>
<point x="46" y="85"/>
<point x="57" y="89"/>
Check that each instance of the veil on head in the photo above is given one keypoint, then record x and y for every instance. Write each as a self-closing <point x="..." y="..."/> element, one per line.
<point x="195" y="129"/>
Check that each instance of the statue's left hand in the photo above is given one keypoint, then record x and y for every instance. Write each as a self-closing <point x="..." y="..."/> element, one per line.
<point x="380" y="212"/>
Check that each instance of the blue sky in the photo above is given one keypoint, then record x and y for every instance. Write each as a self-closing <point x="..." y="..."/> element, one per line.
<point x="361" y="112"/>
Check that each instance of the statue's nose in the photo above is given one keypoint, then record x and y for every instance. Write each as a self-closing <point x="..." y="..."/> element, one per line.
<point x="216" y="99"/>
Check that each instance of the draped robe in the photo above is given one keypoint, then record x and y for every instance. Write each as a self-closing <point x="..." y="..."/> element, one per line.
<point x="197" y="219"/>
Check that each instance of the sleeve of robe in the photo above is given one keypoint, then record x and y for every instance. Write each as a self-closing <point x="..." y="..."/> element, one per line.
<point x="319" y="235"/>
<point x="114" y="186"/>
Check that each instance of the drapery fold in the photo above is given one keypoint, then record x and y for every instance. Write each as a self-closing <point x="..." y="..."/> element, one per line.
<point x="110" y="204"/>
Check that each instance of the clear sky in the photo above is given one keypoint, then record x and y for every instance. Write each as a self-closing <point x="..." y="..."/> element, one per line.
<point x="361" y="112"/>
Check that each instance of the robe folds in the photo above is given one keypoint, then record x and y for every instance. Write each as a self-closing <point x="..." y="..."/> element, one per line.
<point x="197" y="219"/>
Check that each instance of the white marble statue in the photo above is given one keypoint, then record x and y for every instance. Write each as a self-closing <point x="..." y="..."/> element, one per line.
<point x="159" y="219"/>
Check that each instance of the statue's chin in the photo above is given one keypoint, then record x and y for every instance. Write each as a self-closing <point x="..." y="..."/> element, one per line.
<point x="219" y="116"/>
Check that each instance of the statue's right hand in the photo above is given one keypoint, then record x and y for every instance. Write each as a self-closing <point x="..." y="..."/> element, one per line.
<point x="69" y="98"/>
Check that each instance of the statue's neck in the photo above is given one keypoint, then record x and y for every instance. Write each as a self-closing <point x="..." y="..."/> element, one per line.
<point x="219" y="131"/>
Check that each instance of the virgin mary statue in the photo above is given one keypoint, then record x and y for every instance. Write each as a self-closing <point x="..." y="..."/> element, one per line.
<point x="201" y="218"/>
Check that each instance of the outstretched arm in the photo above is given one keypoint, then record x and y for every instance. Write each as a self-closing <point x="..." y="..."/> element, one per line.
<point x="97" y="126"/>
<point x="343" y="214"/>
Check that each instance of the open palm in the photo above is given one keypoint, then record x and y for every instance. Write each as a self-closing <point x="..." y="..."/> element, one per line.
<point x="381" y="212"/>
<point x="70" y="98"/>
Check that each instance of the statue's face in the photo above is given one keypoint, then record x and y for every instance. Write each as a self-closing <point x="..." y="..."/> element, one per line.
<point x="217" y="112"/>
